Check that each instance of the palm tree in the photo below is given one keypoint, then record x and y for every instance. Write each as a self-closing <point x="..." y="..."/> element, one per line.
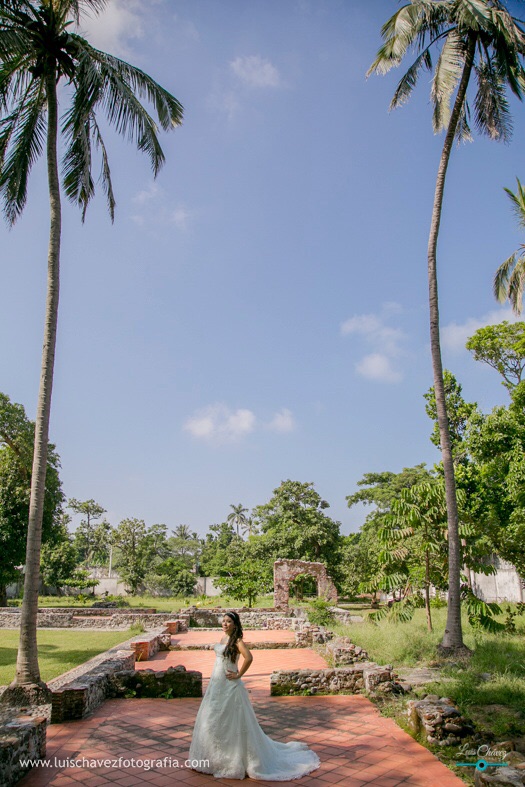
<point x="38" y="51"/>
<point x="476" y="38"/>
<point x="510" y="276"/>
<point x="237" y="518"/>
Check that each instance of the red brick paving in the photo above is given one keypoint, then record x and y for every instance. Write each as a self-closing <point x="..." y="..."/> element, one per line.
<point x="357" y="746"/>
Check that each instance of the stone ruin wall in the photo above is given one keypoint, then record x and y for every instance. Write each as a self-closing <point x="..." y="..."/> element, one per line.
<point x="284" y="571"/>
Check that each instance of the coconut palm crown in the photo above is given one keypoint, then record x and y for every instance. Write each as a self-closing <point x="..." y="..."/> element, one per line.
<point x="37" y="45"/>
<point x="39" y="49"/>
<point x="472" y="38"/>
<point x="509" y="280"/>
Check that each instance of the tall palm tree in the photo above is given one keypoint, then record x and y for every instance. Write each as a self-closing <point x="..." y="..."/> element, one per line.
<point x="510" y="276"/>
<point x="39" y="50"/>
<point x="477" y="40"/>
<point x="237" y="518"/>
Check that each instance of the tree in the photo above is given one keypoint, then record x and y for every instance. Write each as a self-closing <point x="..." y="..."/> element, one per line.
<point x="185" y="545"/>
<point x="37" y="52"/>
<point x="216" y="551"/>
<point x="510" y="276"/>
<point x="502" y="347"/>
<point x="363" y="564"/>
<point x="244" y="580"/>
<point x="59" y="560"/>
<point x="293" y="526"/>
<point x="91" y="540"/>
<point x="475" y="37"/>
<point x="237" y="517"/>
<point x="135" y="553"/>
<point x="16" y="446"/>
<point x="458" y="410"/>
<point x="172" y="575"/>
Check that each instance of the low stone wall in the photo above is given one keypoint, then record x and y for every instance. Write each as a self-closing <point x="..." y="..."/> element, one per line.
<point x="21" y="738"/>
<point x="120" y="620"/>
<point x="341" y="651"/>
<point x="309" y="635"/>
<point x="359" y="678"/>
<point x="250" y="618"/>
<point x="145" y="646"/>
<point x="172" y="683"/>
<point x="77" y="699"/>
<point x="439" y="719"/>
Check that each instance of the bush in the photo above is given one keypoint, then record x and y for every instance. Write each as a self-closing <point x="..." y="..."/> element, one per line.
<point x="319" y="613"/>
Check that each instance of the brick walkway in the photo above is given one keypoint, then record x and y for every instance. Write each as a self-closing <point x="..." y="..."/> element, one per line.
<point x="357" y="746"/>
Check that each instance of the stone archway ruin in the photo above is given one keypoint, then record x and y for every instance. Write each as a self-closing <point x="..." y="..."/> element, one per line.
<point x="286" y="570"/>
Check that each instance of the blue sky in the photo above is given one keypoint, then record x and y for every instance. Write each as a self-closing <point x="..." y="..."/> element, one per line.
<point x="259" y="312"/>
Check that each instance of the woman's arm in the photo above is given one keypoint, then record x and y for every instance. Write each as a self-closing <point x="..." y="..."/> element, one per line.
<point x="248" y="658"/>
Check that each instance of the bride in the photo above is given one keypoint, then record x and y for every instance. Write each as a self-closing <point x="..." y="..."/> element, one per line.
<point x="227" y="739"/>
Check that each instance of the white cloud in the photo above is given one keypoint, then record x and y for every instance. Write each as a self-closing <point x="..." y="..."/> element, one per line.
<point x="385" y="340"/>
<point x="112" y="30"/>
<point x="255" y="71"/>
<point x="155" y="209"/>
<point x="454" y="335"/>
<point x="283" y="421"/>
<point x="220" y="424"/>
<point x="378" y="367"/>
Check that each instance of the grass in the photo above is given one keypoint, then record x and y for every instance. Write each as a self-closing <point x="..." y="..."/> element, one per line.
<point x="488" y="687"/>
<point x="160" y="603"/>
<point x="58" y="650"/>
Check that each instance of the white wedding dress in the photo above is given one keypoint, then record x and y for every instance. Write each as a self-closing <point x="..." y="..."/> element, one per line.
<point x="228" y="741"/>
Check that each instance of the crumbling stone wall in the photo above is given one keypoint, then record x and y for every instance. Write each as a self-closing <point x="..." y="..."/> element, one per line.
<point x="284" y="571"/>
<point x="439" y="719"/>
<point x="21" y="738"/>
<point x="171" y="683"/>
<point x="355" y="679"/>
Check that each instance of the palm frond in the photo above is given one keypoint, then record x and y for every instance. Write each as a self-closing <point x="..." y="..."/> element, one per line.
<point x="105" y="173"/>
<point x="446" y="77"/>
<point x="76" y="167"/>
<point x="409" y="80"/>
<point x="463" y="132"/>
<point x="398" y="33"/>
<point x="473" y="15"/>
<point x="491" y="107"/>
<point x="22" y="143"/>
<point x="509" y="281"/>
<point x="518" y="203"/>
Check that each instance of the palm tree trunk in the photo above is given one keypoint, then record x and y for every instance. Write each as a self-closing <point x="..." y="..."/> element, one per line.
<point x="453" y="636"/>
<point x="27" y="669"/>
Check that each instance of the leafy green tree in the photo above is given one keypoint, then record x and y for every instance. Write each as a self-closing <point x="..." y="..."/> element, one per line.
<point x="497" y="444"/>
<point x="185" y="545"/>
<point x="172" y="575"/>
<point x="238" y="517"/>
<point x="244" y="580"/>
<point x="362" y="562"/>
<point x="293" y="525"/>
<point x="502" y="347"/>
<point x="38" y="52"/>
<point x="218" y="545"/>
<point x="58" y="559"/>
<point x="92" y="538"/>
<point x="459" y="412"/>
<point x="510" y="276"/>
<point x="139" y="548"/>
<point x="16" y="447"/>
<point x="475" y="38"/>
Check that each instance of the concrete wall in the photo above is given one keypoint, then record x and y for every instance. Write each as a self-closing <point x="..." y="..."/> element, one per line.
<point x="504" y="585"/>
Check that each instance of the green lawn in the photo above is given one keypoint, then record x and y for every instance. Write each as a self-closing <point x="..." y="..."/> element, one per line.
<point x="58" y="650"/>
<point x="160" y="603"/>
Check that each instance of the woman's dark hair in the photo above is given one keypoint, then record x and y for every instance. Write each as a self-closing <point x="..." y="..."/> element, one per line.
<point x="230" y="651"/>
